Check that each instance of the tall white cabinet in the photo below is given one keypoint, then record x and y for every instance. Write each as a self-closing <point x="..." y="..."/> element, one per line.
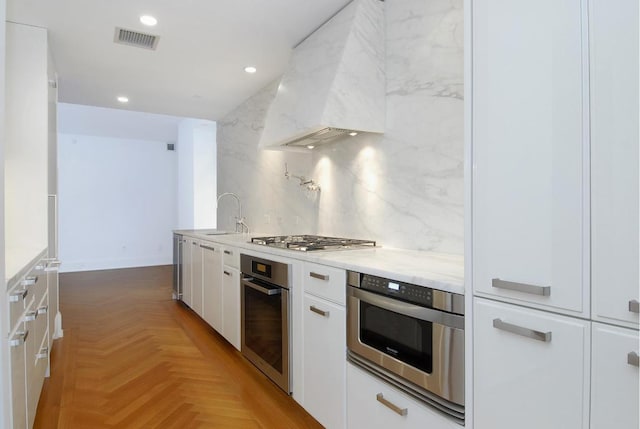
<point x="555" y="213"/>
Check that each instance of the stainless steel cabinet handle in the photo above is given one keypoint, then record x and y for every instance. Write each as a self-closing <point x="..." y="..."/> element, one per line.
<point x="391" y="405"/>
<point x="18" y="295"/>
<point x="194" y="243"/>
<point x="227" y="273"/>
<point x="519" y="330"/>
<point x="30" y="316"/>
<point x="19" y="339"/>
<point x="207" y="247"/>
<point x="227" y="252"/>
<point x="633" y="359"/>
<point x="264" y="290"/>
<point x="634" y="306"/>
<point x="521" y="287"/>
<point x="29" y="281"/>
<point x="324" y="277"/>
<point x="43" y="310"/>
<point x="43" y="354"/>
<point x="318" y="311"/>
<point x="52" y="265"/>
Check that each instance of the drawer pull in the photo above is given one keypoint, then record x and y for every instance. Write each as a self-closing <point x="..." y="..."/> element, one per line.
<point x="519" y="330"/>
<point x="227" y="273"/>
<point x="634" y="306"/>
<point x="29" y="281"/>
<point x="18" y="295"/>
<point x="318" y="311"/>
<point x="44" y="353"/>
<point x="207" y="247"/>
<point x="391" y="405"/>
<point x="30" y="316"/>
<point x="19" y="339"/>
<point x="633" y="359"/>
<point x="324" y="277"/>
<point x="521" y="287"/>
<point x="43" y="310"/>
<point x="228" y="252"/>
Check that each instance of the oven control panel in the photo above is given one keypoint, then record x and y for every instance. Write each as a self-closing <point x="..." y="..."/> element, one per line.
<point x="404" y="291"/>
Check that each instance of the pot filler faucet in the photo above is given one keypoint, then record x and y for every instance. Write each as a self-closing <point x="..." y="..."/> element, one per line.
<point x="240" y="221"/>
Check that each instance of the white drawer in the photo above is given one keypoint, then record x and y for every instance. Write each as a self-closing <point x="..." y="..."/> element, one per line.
<point x="231" y="257"/>
<point x="18" y="298"/>
<point x="325" y="282"/>
<point x="37" y="368"/>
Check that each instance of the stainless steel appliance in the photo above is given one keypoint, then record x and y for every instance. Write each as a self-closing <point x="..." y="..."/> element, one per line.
<point x="409" y="335"/>
<point x="265" y="317"/>
<point x="177" y="266"/>
<point x="308" y="243"/>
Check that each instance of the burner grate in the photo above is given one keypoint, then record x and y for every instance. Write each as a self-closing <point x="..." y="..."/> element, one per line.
<point x="307" y="243"/>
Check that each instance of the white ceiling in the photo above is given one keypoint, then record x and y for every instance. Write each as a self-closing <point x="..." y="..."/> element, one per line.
<point x="197" y="69"/>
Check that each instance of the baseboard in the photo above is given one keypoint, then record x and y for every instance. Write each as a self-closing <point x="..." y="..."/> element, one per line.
<point x="111" y="264"/>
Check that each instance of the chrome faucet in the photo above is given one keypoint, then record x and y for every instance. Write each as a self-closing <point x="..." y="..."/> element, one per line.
<point x="240" y="220"/>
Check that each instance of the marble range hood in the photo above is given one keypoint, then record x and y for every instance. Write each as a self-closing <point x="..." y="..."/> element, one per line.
<point x="334" y="84"/>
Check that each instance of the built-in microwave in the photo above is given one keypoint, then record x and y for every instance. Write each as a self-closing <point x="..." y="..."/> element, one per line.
<point x="411" y="336"/>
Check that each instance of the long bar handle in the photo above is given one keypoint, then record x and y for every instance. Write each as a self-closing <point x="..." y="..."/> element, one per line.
<point x="43" y="310"/>
<point x="318" y="311"/>
<point x="324" y="277"/>
<point x="634" y="306"/>
<point x="227" y="273"/>
<point x="18" y="295"/>
<point x="207" y="247"/>
<point x="19" y="339"/>
<point x="633" y="359"/>
<point x="519" y="330"/>
<point x="391" y="405"/>
<point x="521" y="287"/>
<point x="264" y="290"/>
<point x="228" y="252"/>
<point x="30" y="316"/>
<point x="43" y="354"/>
<point x="29" y="281"/>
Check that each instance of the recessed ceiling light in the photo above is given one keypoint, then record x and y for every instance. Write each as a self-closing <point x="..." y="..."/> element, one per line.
<point x="353" y="134"/>
<point x="310" y="146"/>
<point x="250" y="69"/>
<point x="148" y="20"/>
<point x="123" y="99"/>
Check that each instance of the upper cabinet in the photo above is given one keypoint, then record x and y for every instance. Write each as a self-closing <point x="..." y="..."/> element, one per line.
<point x="26" y="145"/>
<point x="613" y="34"/>
<point x="529" y="154"/>
<point x="334" y="83"/>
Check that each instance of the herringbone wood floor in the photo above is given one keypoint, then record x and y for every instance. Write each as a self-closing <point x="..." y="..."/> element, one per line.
<point x="131" y="357"/>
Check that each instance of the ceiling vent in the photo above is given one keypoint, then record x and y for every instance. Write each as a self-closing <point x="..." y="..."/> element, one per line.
<point x="134" y="38"/>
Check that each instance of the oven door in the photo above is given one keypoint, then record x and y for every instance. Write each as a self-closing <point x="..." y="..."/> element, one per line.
<point x="418" y="345"/>
<point x="265" y="329"/>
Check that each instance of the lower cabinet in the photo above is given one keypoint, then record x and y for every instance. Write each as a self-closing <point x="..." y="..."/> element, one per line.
<point x="196" y="277"/>
<point x="614" y="378"/>
<point x="325" y="361"/>
<point x="186" y="271"/>
<point x="372" y="404"/>
<point x="531" y="368"/>
<point x="212" y="285"/>
<point x="231" y="305"/>
<point x="18" y="376"/>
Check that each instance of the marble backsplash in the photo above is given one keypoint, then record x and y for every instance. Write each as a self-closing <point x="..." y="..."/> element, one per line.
<point x="404" y="188"/>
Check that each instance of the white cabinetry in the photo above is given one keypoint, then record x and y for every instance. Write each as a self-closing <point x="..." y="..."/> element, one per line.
<point x="374" y="404"/>
<point x="231" y="305"/>
<point x="613" y="35"/>
<point x="614" y="378"/>
<point x="531" y="368"/>
<point x="186" y="271"/>
<point x="324" y="355"/>
<point x="196" y="277"/>
<point x="212" y="285"/>
<point x="528" y="153"/>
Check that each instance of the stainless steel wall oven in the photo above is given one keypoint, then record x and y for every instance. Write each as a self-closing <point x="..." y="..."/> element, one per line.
<point x="411" y="336"/>
<point x="265" y="317"/>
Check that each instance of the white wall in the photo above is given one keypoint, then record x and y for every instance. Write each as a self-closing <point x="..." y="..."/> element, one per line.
<point x="117" y="196"/>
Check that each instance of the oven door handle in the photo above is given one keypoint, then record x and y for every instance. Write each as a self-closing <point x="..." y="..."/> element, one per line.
<point x="276" y="291"/>
<point x="411" y="310"/>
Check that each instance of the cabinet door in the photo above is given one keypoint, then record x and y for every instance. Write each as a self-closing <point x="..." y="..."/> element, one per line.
<point x="187" y="264"/>
<point x="196" y="278"/>
<point x="325" y="361"/>
<point x="613" y="27"/>
<point x="521" y="378"/>
<point x="614" y="378"/>
<point x="18" y="378"/>
<point x="373" y="404"/>
<point x="231" y="305"/>
<point x="212" y="286"/>
<point x="529" y="153"/>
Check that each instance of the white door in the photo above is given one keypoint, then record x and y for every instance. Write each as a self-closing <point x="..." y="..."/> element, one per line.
<point x="529" y="153"/>
<point x="196" y="278"/>
<point x="187" y="265"/>
<point x="212" y="286"/>
<point x="231" y="305"/>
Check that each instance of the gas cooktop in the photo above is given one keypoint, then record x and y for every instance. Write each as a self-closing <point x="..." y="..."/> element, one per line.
<point x="308" y="243"/>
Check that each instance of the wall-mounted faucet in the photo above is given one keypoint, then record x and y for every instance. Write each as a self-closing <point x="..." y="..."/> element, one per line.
<point x="308" y="183"/>
<point x="240" y="220"/>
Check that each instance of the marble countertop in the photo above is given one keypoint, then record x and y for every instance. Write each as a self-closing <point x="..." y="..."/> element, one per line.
<point x="430" y="269"/>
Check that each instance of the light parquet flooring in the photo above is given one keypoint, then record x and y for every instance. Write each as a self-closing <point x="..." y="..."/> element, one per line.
<point x="131" y="357"/>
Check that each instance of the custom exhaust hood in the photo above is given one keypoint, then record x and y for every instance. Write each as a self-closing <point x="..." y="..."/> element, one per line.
<point x="334" y="84"/>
